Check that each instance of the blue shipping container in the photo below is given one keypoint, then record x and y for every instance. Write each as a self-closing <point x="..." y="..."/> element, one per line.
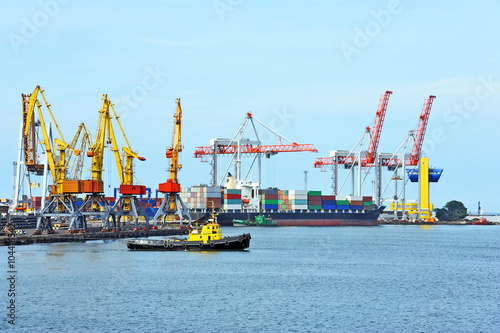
<point x="271" y="191"/>
<point x="333" y="207"/>
<point x="232" y="201"/>
<point x="329" y="202"/>
<point x="343" y="207"/>
<point x="275" y="207"/>
<point x="298" y="202"/>
<point x="232" y="191"/>
<point x="355" y="207"/>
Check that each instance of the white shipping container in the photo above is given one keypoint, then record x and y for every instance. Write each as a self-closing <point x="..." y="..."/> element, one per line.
<point x="297" y="207"/>
<point x="297" y="192"/>
<point x="297" y="195"/>
<point x="213" y="190"/>
<point x="232" y="206"/>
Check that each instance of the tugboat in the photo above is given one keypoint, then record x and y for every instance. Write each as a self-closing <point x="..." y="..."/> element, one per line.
<point x="206" y="238"/>
<point x="260" y="221"/>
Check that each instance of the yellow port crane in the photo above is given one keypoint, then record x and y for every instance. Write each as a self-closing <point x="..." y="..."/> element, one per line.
<point x="61" y="206"/>
<point x="172" y="204"/>
<point x="82" y="140"/>
<point x="96" y="203"/>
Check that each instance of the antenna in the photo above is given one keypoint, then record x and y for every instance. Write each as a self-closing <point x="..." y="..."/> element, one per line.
<point x="305" y="179"/>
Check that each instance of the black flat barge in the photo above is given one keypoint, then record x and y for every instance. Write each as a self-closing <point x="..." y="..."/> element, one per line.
<point x="88" y="236"/>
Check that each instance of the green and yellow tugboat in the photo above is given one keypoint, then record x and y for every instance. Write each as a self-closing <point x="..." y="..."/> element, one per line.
<point x="208" y="237"/>
<point x="260" y="221"/>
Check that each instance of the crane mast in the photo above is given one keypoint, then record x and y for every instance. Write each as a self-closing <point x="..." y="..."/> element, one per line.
<point x="174" y="150"/>
<point x="172" y="204"/>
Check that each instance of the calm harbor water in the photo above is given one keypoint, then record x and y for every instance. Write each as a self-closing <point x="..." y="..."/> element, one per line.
<point x="310" y="279"/>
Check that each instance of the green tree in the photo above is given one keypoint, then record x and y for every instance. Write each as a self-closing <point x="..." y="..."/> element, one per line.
<point x="453" y="211"/>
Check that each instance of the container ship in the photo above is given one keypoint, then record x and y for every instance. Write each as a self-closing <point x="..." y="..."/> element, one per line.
<point x="285" y="207"/>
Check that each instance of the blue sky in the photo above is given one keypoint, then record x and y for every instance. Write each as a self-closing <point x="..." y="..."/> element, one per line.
<point x="313" y="69"/>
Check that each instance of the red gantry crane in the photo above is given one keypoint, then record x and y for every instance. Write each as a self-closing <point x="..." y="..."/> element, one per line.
<point x="238" y="146"/>
<point x="400" y="160"/>
<point x="364" y="159"/>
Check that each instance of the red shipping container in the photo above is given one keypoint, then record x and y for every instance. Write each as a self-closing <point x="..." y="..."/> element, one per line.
<point x="232" y="196"/>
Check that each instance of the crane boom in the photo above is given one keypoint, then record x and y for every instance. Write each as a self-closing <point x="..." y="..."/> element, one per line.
<point x="376" y="129"/>
<point x="249" y="149"/>
<point x="375" y="132"/>
<point x="420" y="132"/>
<point x="84" y="138"/>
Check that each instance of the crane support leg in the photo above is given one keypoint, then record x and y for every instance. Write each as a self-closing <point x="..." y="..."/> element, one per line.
<point x="128" y="205"/>
<point x="165" y="209"/>
<point x="96" y="205"/>
<point x="61" y="208"/>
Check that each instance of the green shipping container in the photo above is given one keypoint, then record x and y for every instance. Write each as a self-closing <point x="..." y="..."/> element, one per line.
<point x="318" y="207"/>
<point x="367" y="203"/>
<point x="342" y="202"/>
<point x="314" y="193"/>
<point x="270" y="202"/>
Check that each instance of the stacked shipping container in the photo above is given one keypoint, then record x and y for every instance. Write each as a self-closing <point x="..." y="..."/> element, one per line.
<point x="314" y="200"/>
<point x="355" y="202"/>
<point x="232" y="199"/>
<point x="342" y="202"/>
<point x="329" y="202"/>
<point x="367" y="203"/>
<point x="269" y="199"/>
<point x="201" y="197"/>
<point x="284" y="203"/>
<point x="298" y="199"/>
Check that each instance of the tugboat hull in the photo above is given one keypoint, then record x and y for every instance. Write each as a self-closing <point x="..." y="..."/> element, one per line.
<point x="234" y="243"/>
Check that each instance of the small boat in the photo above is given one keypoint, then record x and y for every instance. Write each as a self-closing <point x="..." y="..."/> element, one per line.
<point x="482" y="222"/>
<point x="260" y="221"/>
<point x="208" y="237"/>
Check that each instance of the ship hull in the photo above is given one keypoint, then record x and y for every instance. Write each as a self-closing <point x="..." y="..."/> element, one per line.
<point x="367" y="218"/>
